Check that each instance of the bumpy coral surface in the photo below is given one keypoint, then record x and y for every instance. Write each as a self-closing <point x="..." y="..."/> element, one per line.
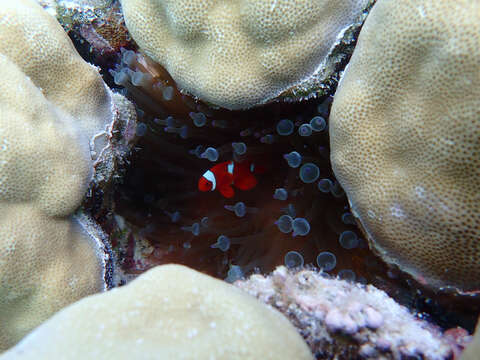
<point x="345" y="320"/>
<point x="38" y="45"/>
<point x="405" y="137"/>
<point x="55" y="119"/>
<point x="241" y="53"/>
<point x="170" y="312"/>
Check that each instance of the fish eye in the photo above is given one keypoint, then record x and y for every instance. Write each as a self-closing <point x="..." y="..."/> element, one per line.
<point x="208" y="185"/>
<point x="204" y="185"/>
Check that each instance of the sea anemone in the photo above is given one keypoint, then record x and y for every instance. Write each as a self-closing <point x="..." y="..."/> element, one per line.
<point x="297" y="211"/>
<point x="296" y="215"/>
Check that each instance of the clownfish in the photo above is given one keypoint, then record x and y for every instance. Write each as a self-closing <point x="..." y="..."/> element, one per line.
<point x="222" y="176"/>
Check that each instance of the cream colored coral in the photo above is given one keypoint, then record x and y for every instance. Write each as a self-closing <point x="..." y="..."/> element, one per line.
<point x="405" y="137"/>
<point x="241" y="53"/>
<point x="473" y="349"/>
<point x="52" y="107"/>
<point x="45" y="264"/>
<point x="37" y="44"/>
<point x="169" y="312"/>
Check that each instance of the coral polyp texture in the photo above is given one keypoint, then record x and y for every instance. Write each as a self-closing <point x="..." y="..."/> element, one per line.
<point x="55" y="120"/>
<point x="243" y="53"/>
<point x="405" y="138"/>
<point x="345" y="320"/>
<point x="169" y="312"/>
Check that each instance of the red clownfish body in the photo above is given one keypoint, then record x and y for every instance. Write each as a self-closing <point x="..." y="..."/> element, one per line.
<point x="222" y="176"/>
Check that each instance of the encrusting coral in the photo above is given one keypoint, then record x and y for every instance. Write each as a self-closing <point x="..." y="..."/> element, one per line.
<point x="346" y="320"/>
<point x="43" y="178"/>
<point x="56" y="122"/>
<point x="243" y="53"/>
<point x="405" y="138"/>
<point x="169" y="312"/>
